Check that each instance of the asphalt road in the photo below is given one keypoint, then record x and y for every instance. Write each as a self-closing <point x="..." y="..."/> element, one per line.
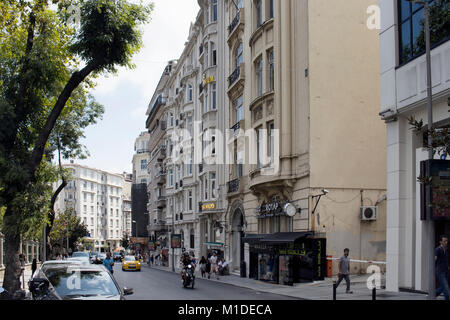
<point x="154" y="284"/>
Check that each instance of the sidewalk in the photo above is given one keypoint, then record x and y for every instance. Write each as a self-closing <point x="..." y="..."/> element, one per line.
<point x="27" y="276"/>
<point x="318" y="290"/>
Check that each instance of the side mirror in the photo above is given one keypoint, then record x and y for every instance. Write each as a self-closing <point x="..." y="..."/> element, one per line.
<point x="127" y="291"/>
<point x="37" y="285"/>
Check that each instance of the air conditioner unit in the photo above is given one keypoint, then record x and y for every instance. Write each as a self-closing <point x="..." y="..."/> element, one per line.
<point x="369" y="213"/>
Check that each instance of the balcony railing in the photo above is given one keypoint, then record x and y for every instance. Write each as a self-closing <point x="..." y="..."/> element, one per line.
<point x="234" y="23"/>
<point x="234" y="76"/>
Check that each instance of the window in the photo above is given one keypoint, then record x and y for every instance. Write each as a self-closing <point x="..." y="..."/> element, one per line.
<point x="214" y="97"/>
<point x="190" y="200"/>
<point x="411" y="20"/>
<point x="92" y="197"/>
<point x="214" y="10"/>
<point x="238" y="55"/>
<point x="206" y="99"/>
<point x="190" y="164"/>
<point x="189" y="93"/>
<point x="190" y="126"/>
<point x="271" y="70"/>
<point x="238" y="104"/>
<point x="212" y="176"/>
<point x="92" y="209"/>
<point x="259" y="17"/>
<point x="92" y="221"/>
<point x="85" y="209"/>
<point x="117" y="212"/>
<point x="259" y="76"/>
<point x="171" y="177"/>
<point x="85" y="196"/>
<point x="270" y="11"/>
<point x="271" y="127"/>
<point x="192" y="239"/>
<point x="260" y="141"/>
<point x="213" y="55"/>
<point x="171" y="117"/>
<point x="205" y="186"/>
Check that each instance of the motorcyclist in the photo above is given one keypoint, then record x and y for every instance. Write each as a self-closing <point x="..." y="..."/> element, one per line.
<point x="185" y="261"/>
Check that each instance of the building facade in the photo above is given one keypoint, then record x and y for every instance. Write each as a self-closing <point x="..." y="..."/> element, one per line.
<point x="96" y="197"/>
<point x="312" y="113"/>
<point x="285" y="152"/>
<point x="404" y="95"/>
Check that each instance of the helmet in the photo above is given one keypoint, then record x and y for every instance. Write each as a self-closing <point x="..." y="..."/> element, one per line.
<point x="185" y="254"/>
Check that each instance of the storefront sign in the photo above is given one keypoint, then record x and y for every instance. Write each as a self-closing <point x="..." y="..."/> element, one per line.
<point x="175" y="241"/>
<point x="208" y="80"/>
<point x="208" y="206"/>
<point x="270" y="209"/>
<point x="151" y="246"/>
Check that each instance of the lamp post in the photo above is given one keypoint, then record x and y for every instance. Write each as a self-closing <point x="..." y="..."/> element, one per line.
<point x="431" y="231"/>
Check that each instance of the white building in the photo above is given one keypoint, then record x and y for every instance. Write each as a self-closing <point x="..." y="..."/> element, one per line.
<point x="403" y="95"/>
<point x="96" y="197"/>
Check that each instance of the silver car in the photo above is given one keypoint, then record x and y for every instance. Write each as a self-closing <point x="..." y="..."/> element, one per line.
<point x="74" y="280"/>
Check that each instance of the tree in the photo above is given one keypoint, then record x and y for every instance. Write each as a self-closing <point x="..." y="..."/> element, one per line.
<point x="43" y="62"/>
<point x="67" y="226"/>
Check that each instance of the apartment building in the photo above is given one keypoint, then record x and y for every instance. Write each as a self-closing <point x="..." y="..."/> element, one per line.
<point x="96" y="197"/>
<point x="186" y="111"/>
<point x="404" y="95"/>
<point x="139" y="197"/>
<point x="126" y="205"/>
<point x="303" y="83"/>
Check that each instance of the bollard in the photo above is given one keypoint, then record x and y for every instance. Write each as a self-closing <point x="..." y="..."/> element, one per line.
<point x="334" y="290"/>
<point x="374" y="293"/>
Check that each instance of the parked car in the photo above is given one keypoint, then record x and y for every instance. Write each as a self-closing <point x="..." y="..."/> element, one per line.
<point x="117" y="256"/>
<point x="72" y="280"/>
<point x="131" y="263"/>
<point x="80" y="254"/>
<point x="100" y="257"/>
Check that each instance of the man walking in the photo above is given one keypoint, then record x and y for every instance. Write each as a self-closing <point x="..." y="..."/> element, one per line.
<point x="108" y="262"/>
<point x="441" y="257"/>
<point x="344" y="270"/>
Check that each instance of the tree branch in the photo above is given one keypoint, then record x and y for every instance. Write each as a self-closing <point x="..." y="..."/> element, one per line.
<point x="72" y="84"/>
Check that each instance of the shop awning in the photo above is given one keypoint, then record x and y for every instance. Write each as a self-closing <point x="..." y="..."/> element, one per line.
<point x="254" y="238"/>
<point x="284" y="237"/>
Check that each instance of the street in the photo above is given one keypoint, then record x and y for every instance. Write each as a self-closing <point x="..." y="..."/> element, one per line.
<point x="154" y="284"/>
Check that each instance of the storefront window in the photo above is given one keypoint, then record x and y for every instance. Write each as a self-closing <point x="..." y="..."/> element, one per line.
<point x="267" y="267"/>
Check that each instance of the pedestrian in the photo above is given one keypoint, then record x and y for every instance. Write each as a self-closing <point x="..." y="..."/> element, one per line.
<point x="213" y="261"/>
<point x="203" y="266"/>
<point x="225" y="267"/>
<point x="441" y="258"/>
<point x="33" y="266"/>
<point x="344" y="270"/>
<point x="108" y="262"/>
<point x="151" y="259"/>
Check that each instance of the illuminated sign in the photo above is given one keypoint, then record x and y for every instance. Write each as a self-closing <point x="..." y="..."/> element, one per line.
<point x="208" y="80"/>
<point x="208" y="206"/>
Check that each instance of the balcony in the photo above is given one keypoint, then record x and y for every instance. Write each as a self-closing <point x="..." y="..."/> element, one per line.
<point x="235" y="186"/>
<point x="161" y="153"/>
<point x="161" y="202"/>
<point x="236" y="79"/>
<point x="158" y="102"/>
<point x="161" y="177"/>
<point x="158" y="225"/>
<point x="236" y="25"/>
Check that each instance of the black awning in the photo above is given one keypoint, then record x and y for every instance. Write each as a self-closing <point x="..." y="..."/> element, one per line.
<point x="284" y="237"/>
<point x="254" y="238"/>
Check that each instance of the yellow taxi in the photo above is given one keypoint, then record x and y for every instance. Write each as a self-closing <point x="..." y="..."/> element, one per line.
<point x="130" y="263"/>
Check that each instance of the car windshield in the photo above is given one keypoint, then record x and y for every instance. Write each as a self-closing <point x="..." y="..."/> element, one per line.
<point x="130" y="258"/>
<point x="72" y="283"/>
<point x="80" y="254"/>
<point x="84" y="260"/>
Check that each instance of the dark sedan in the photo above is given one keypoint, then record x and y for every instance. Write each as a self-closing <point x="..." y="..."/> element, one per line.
<point x="75" y="281"/>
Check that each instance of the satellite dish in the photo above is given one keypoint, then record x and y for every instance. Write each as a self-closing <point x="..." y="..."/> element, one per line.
<point x="290" y="209"/>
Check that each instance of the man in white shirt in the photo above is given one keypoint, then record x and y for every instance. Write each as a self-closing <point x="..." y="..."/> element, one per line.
<point x="213" y="261"/>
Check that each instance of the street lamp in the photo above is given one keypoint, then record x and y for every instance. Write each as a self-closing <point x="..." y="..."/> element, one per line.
<point x="431" y="261"/>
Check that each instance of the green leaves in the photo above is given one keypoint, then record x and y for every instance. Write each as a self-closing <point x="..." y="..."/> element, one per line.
<point x="109" y="33"/>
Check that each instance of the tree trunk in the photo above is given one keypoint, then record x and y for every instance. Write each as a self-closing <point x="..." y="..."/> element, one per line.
<point x="13" y="271"/>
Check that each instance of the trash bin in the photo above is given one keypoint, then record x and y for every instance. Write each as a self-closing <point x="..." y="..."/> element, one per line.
<point x="243" y="270"/>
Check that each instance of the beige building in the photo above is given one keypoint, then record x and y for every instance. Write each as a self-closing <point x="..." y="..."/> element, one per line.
<point x="304" y="78"/>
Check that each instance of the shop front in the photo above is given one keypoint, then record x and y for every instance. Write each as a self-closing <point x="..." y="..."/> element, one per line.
<point x="286" y="257"/>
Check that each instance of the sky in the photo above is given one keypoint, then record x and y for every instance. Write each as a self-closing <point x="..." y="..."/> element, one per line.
<point x="126" y="95"/>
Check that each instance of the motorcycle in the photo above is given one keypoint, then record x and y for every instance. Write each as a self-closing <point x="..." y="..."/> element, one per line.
<point x="189" y="277"/>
